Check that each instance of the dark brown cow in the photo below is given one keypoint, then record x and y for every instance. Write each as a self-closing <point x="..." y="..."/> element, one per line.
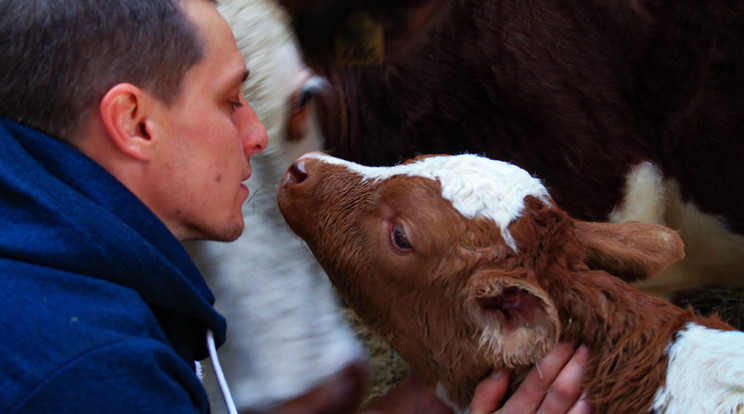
<point x="628" y="109"/>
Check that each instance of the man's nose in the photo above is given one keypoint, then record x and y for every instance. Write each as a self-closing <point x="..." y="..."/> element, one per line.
<point x="252" y="131"/>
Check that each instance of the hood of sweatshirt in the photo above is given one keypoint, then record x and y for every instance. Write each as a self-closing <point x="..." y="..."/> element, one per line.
<point x="60" y="209"/>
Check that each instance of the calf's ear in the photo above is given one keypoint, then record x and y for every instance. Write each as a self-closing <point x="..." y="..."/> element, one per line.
<point x="631" y="250"/>
<point x="519" y="321"/>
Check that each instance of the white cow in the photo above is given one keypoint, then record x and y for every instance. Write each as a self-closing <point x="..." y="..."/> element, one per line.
<point x="286" y="335"/>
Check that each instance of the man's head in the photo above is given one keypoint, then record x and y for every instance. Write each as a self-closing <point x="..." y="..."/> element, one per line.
<point x="150" y="89"/>
<point x="57" y="58"/>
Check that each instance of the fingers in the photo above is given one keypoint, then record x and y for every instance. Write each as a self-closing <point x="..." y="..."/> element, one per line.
<point x="565" y="391"/>
<point x="554" y="387"/>
<point x="530" y="393"/>
<point x="489" y="393"/>
<point x="581" y="407"/>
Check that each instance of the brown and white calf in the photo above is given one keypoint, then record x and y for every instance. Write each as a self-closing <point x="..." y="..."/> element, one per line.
<point x="465" y="265"/>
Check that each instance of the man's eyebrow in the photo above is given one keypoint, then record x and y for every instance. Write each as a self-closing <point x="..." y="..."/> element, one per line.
<point x="235" y="80"/>
<point x="238" y="78"/>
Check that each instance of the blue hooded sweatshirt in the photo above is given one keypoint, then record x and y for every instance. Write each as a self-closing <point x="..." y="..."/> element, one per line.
<point x="102" y="309"/>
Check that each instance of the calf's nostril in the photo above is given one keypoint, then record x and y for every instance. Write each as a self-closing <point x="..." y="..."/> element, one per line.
<point x="299" y="171"/>
<point x="296" y="173"/>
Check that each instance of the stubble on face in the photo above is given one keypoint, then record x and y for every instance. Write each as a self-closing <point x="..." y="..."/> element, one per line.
<point x="214" y="208"/>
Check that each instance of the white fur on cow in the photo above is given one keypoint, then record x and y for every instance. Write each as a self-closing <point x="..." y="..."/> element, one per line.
<point x="285" y="332"/>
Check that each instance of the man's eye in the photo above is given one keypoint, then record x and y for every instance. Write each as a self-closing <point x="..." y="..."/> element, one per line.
<point x="236" y="101"/>
<point x="399" y="238"/>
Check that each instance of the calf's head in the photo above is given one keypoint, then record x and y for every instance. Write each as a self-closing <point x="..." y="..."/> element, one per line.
<point x="456" y="260"/>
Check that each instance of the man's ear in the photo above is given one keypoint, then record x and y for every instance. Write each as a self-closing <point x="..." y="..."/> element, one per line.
<point x="124" y="114"/>
<point x="519" y="321"/>
<point x="631" y="250"/>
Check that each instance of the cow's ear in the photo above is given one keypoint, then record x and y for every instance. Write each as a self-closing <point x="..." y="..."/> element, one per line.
<point x="519" y="322"/>
<point x="631" y="250"/>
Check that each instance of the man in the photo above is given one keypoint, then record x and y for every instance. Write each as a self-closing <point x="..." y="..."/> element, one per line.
<point x="104" y="311"/>
<point x="123" y="130"/>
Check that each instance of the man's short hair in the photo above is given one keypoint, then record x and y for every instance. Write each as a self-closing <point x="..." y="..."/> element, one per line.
<point x="58" y="58"/>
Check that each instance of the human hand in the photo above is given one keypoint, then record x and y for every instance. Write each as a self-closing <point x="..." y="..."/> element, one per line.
<point x="555" y="388"/>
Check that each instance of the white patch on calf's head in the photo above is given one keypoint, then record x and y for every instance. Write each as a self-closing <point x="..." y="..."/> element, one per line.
<point x="476" y="186"/>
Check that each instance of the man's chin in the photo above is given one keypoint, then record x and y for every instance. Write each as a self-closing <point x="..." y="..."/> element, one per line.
<point x="230" y="234"/>
<point x="223" y="234"/>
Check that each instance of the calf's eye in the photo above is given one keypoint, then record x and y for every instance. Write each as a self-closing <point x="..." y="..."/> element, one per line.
<point x="399" y="238"/>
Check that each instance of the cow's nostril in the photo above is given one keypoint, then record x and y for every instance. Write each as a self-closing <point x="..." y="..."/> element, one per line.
<point x="296" y="173"/>
<point x="298" y="170"/>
